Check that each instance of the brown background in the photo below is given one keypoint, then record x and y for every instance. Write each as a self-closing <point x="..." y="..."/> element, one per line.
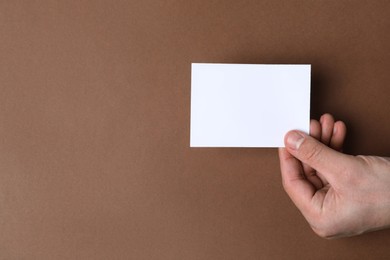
<point x="94" y="126"/>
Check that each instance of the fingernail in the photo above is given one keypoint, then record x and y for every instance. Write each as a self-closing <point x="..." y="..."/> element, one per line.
<point x="334" y="129"/>
<point x="294" y="140"/>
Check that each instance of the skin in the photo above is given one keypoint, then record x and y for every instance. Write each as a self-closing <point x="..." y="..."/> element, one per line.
<point x="339" y="195"/>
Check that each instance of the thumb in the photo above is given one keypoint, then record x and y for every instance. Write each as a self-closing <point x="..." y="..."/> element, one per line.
<point x="315" y="154"/>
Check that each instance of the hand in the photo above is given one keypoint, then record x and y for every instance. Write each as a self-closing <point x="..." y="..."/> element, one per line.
<point x="338" y="194"/>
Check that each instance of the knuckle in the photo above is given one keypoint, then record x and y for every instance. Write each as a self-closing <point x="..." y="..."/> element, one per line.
<point x="287" y="186"/>
<point x="324" y="230"/>
<point x="365" y="160"/>
<point x="323" y="227"/>
<point x="324" y="233"/>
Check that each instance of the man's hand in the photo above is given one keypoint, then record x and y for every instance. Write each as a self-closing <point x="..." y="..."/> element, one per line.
<point x="338" y="194"/>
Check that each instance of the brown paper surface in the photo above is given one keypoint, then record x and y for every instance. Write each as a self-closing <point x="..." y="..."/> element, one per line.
<point x="94" y="126"/>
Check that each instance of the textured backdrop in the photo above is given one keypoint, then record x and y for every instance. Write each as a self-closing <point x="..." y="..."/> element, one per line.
<point x="94" y="126"/>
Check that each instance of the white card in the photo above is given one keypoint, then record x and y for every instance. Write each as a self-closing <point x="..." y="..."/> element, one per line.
<point x="248" y="105"/>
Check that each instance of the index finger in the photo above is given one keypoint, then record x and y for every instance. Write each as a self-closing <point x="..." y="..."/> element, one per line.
<point x="298" y="188"/>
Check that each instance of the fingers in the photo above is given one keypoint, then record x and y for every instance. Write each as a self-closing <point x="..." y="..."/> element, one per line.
<point x="332" y="133"/>
<point x="315" y="129"/>
<point x="327" y="125"/>
<point x="310" y="173"/>
<point x="315" y="154"/>
<point x="299" y="189"/>
<point x="338" y="137"/>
